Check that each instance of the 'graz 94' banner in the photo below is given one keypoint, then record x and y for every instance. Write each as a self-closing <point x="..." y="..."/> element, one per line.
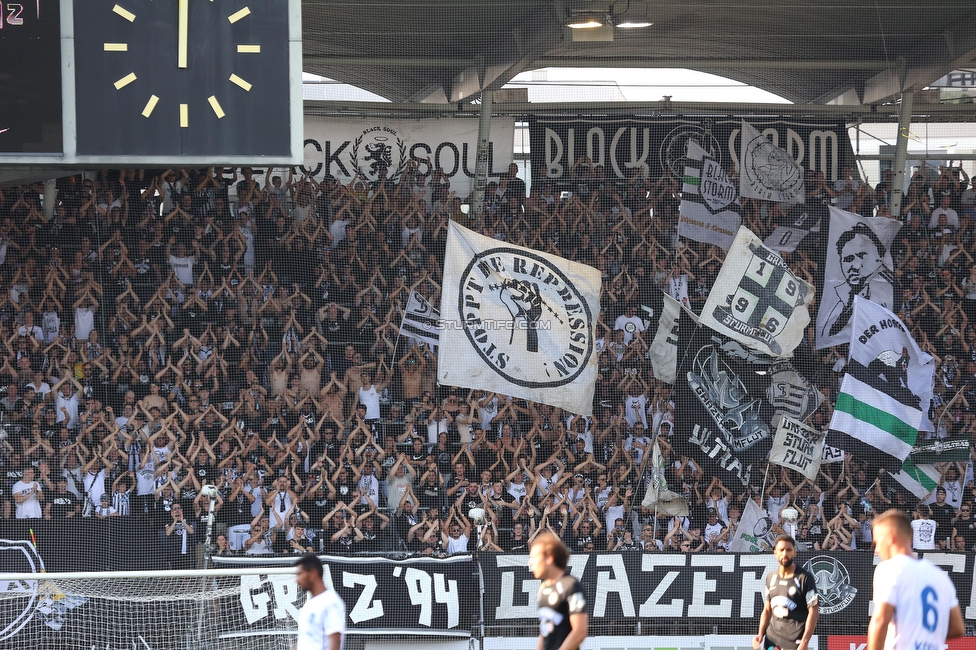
<point x="416" y="596"/>
<point x="710" y="588"/>
<point x="622" y="145"/>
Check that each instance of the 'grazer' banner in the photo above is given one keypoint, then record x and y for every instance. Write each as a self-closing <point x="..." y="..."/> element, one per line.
<point x="659" y="146"/>
<point x="345" y="148"/>
<point x="713" y="589"/>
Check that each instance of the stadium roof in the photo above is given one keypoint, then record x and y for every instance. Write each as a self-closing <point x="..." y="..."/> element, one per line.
<point x="810" y="52"/>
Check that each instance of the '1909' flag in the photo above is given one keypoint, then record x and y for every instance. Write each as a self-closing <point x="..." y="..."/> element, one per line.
<point x="757" y="300"/>
<point x="518" y="322"/>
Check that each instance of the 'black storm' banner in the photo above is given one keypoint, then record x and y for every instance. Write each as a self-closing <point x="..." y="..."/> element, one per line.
<point x="659" y="145"/>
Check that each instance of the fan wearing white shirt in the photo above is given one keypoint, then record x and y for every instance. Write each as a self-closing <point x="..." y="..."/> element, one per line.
<point x="631" y="324"/>
<point x="322" y="621"/>
<point x="28" y="496"/>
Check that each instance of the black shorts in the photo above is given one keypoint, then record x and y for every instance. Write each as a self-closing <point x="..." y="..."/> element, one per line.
<point x="769" y="644"/>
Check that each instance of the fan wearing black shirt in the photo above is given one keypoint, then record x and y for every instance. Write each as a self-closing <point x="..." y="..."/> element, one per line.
<point x="518" y="542"/>
<point x="943" y="514"/>
<point x="562" y="607"/>
<point x="62" y="504"/>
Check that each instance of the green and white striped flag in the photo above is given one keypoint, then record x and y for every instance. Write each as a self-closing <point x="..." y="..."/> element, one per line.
<point x="872" y="424"/>
<point x="917" y="479"/>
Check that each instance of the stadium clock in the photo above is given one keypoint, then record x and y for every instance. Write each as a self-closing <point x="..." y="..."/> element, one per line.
<point x="182" y="77"/>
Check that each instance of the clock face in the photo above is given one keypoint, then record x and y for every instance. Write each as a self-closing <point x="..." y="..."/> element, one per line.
<point x="182" y="77"/>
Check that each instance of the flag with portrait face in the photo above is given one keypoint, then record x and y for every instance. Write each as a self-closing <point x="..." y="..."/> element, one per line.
<point x="858" y="264"/>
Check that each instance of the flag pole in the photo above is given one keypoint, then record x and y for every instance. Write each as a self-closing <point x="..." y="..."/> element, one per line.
<point x="762" y="494"/>
<point x="945" y="409"/>
<point x="864" y="495"/>
<point x="654" y="443"/>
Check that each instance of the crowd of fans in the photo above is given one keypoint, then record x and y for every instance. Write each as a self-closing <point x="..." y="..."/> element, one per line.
<point x="169" y="329"/>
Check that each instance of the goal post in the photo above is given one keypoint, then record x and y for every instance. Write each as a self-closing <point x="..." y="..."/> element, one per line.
<point x="214" y="609"/>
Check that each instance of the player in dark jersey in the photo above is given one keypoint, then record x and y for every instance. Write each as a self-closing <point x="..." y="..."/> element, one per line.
<point x="790" y="613"/>
<point x="562" y="606"/>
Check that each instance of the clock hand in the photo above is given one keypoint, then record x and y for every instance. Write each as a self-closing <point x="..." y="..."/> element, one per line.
<point x="184" y="19"/>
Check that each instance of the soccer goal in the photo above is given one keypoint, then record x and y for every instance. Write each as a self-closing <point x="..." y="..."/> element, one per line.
<point x="239" y="609"/>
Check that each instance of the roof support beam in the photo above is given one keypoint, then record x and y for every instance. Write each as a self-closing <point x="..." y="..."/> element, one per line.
<point x="393" y="62"/>
<point x="954" y="48"/>
<point x="699" y="64"/>
<point x="875" y="113"/>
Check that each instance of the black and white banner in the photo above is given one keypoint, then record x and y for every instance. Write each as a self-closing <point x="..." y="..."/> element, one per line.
<point x="757" y="300"/>
<point x="347" y="148"/>
<point x="659" y="146"/>
<point x="725" y="418"/>
<point x="798" y="447"/>
<point x="882" y="343"/>
<point x="518" y="322"/>
<point x="858" y="264"/>
<point x="664" y="348"/>
<point x="708" y="211"/>
<point x="420" y="320"/>
<point x="754" y="534"/>
<point x="832" y="455"/>
<point x="791" y="393"/>
<point x="766" y="171"/>
<point x="708" y="588"/>
<point x="785" y="239"/>
<point x="412" y="597"/>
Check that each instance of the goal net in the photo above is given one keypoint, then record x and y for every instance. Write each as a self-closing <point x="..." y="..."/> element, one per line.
<point x="243" y="609"/>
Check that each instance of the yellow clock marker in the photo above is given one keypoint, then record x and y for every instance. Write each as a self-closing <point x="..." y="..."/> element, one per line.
<point x="237" y="15"/>
<point x="215" y="105"/>
<point x="184" y="116"/>
<point x="150" y="106"/>
<point x="125" y="81"/>
<point x="237" y="81"/>
<point x="125" y="13"/>
<point x="249" y="49"/>
<point x="116" y="47"/>
<point x="183" y="33"/>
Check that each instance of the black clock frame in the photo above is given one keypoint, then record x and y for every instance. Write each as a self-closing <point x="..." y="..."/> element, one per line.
<point x="110" y="121"/>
